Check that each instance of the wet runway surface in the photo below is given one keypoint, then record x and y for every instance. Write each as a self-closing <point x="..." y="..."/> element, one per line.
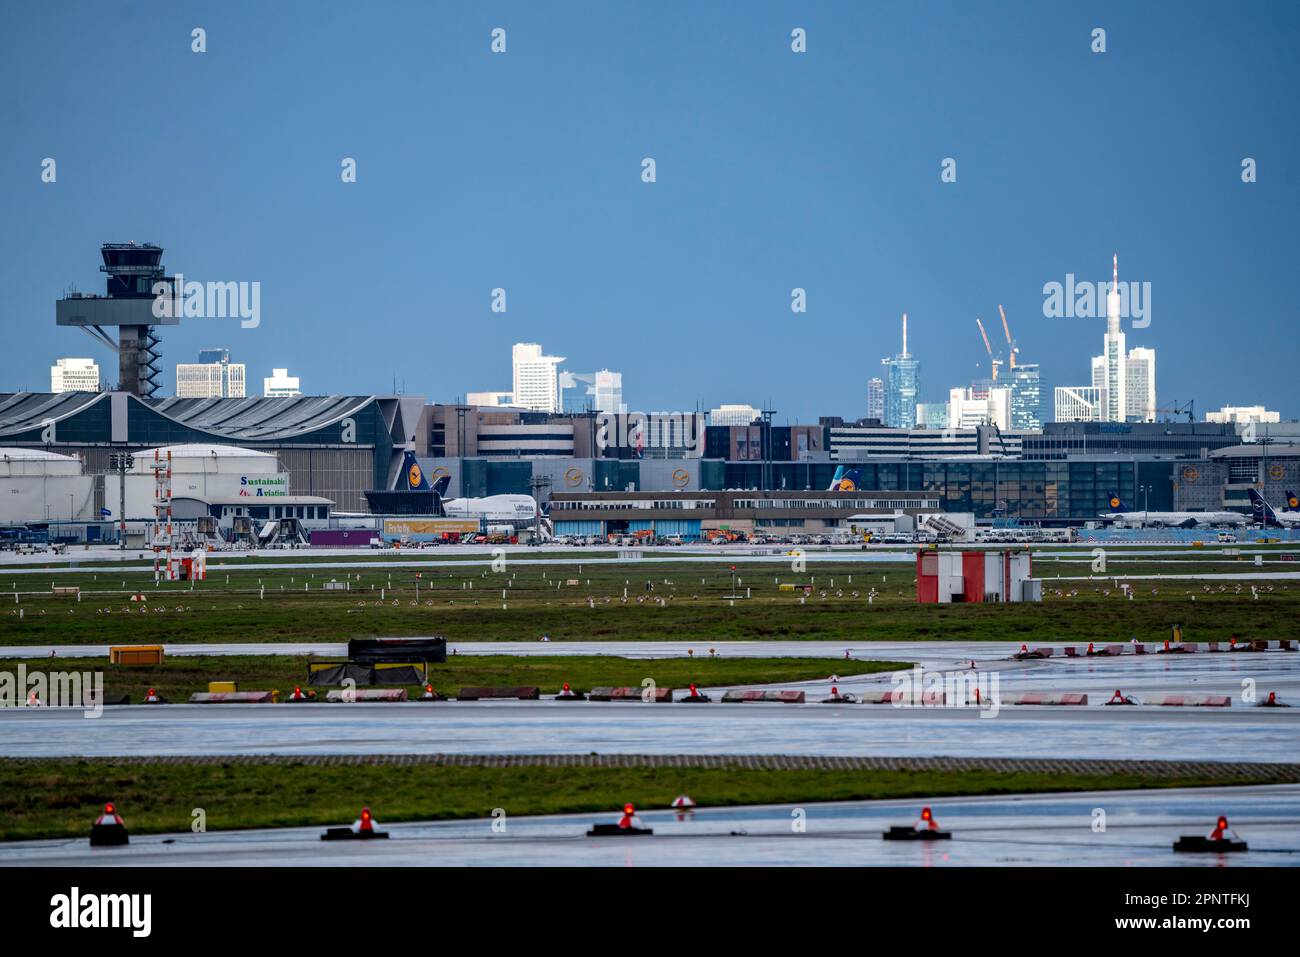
<point x="1243" y="731"/>
<point x="550" y="727"/>
<point x="1140" y="828"/>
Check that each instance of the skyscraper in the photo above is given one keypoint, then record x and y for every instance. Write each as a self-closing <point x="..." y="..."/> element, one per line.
<point x="608" y="390"/>
<point x="1140" y="373"/>
<point x="733" y="414"/>
<point x="1026" y="397"/>
<point x="902" y="378"/>
<point x="536" y="382"/>
<point x="215" y="378"/>
<point x="1108" y="369"/>
<point x="876" y="398"/>
<point x="74" y="375"/>
<point x="281" y="384"/>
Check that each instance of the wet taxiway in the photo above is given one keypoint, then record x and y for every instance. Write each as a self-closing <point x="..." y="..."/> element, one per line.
<point x="1139" y="830"/>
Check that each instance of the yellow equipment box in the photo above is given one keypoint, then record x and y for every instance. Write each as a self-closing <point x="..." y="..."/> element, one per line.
<point x="135" y="654"/>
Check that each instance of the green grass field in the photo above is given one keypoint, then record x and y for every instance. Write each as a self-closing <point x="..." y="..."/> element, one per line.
<point x="60" y="799"/>
<point x="690" y="602"/>
<point x="179" y="677"/>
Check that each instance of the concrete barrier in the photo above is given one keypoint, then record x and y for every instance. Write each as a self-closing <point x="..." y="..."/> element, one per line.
<point x="520" y="693"/>
<point x="1045" y="697"/>
<point x="660" y="695"/>
<point x="1190" y="701"/>
<point x="385" y="695"/>
<point x="232" y="697"/>
<point x="902" y="698"/>
<point x="783" y="697"/>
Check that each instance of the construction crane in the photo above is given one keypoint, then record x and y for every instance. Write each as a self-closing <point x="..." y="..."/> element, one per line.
<point x="1011" y="345"/>
<point x="1187" y="408"/>
<point x="995" y="363"/>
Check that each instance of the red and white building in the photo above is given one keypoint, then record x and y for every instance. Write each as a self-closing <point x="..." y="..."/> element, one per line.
<point x="960" y="575"/>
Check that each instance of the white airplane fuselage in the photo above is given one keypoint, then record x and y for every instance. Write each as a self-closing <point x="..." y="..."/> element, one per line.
<point x="515" y="509"/>
<point x="1172" y="519"/>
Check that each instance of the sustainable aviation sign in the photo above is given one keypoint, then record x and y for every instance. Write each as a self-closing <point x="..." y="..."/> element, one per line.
<point x="263" y="486"/>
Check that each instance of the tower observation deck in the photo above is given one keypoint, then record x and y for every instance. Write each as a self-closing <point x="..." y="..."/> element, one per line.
<point x="133" y="270"/>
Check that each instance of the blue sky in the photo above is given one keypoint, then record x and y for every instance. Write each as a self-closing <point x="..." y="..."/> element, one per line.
<point x="775" y="170"/>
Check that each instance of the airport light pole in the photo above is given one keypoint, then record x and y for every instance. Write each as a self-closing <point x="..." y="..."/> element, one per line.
<point x="1146" y="507"/>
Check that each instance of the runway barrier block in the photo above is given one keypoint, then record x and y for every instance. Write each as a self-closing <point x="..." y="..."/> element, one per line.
<point x="232" y="697"/>
<point x="784" y="697"/>
<point x="519" y="692"/>
<point x="1045" y="697"/>
<point x="381" y="695"/>
<point x="1191" y="701"/>
<point x="903" y="698"/>
<point x="659" y="696"/>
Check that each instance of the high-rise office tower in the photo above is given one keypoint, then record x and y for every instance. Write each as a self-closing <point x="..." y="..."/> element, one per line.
<point x="608" y="391"/>
<point x="217" y="378"/>
<point x="1140" y="387"/>
<point x="876" y="398"/>
<point x="902" y="379"/>
<point x="74" y="375"/>
<point x="734" y="414"/>
<point x="536" y="381"/>
<point x="1026" y="396"/>
<point x="280" y="384"/>
<point x="1108" y="369"/>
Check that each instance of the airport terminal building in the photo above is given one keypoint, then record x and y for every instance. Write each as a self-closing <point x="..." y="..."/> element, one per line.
<point x="333" y="447"/>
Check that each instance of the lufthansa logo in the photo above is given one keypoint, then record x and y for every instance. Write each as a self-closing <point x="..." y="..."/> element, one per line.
<point x="439" y="472"/>
<point x="1190" y="474"/>
<point x="572" y="477"/>
<point x="413" y="476"/>
<point x="1276" y="472"/>
<point x="681" y="478"/>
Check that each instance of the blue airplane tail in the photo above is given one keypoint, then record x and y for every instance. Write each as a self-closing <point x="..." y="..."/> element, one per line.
<point x="1115" y="502"/>
<point x="1262" y="510"/>
<point x="1292" y="501"/>
<point x="411" y="478"/>
<point x="844" y="480"/>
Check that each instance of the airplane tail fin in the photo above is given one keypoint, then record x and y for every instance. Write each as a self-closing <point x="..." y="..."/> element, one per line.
<point x="1116" y="503"/>
<point x="411" y="478"/>
<point x="1262" y="510"/>
<point x="845" y="480"/>
<point x="440" y="486"/>
<point x="1292" y="501"/>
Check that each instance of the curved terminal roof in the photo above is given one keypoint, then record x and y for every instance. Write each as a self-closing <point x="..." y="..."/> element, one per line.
<point x="23" y="411"/>
<point x="259" y="418"/>
<point x="254" y="419"/>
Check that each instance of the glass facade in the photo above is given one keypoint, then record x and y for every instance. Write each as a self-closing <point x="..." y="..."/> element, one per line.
<point x="1026" y="398"/>
<point x="902" y="382"/>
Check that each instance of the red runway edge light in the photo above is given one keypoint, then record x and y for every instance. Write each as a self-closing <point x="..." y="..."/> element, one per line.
<point x="108" y="829"/>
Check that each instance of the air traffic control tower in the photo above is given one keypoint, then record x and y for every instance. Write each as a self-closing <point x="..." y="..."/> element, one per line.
<point x="133" y="269"/>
